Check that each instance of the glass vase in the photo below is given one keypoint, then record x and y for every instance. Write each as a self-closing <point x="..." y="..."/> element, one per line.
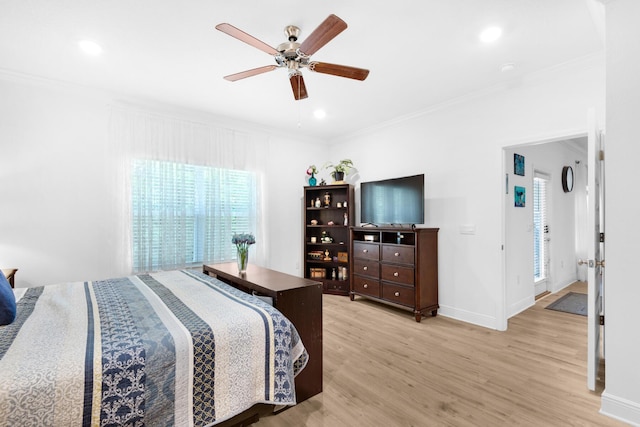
<point x="312" y="180"/>
<point x="243" y="260"/>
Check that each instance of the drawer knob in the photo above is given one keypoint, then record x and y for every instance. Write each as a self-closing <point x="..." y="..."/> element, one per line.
<point x="396" y="254"/>
<point x="395" y="274"/>
<point x="397" y="294"/>
<point x="366" y="285"/>
<point x="365" y="268"/>
<point x="365" y="250"/>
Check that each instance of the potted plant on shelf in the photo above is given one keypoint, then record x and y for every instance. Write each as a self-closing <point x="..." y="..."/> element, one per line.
<point x="340" y="170"/>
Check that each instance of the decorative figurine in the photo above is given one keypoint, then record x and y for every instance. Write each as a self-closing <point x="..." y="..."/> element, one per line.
<point x="327" y="199"/>
<point x="327" y="257"/>
<point x="325" y="238"/>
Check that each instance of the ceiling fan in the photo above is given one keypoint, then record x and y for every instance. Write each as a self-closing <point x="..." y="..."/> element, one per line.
<point x="293" y="55"/>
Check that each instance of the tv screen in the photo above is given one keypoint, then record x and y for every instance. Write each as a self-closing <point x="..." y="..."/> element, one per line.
<point x="398" y="201"/>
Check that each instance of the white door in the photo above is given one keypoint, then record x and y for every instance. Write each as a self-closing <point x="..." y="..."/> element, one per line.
<point x="595" y="253"/>
<point x="541" y="237"/>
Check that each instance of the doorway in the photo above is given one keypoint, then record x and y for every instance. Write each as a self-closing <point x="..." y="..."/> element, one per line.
<point x="541" y="234"/>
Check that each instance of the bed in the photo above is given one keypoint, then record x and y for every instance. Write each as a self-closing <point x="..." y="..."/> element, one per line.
<point x="158" y="349"/>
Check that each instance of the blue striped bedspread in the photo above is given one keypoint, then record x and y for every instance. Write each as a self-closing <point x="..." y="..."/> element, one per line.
<point x="160" y="349"/>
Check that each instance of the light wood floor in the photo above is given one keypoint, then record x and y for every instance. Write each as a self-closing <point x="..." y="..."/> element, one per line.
<point x="381" y="368"/>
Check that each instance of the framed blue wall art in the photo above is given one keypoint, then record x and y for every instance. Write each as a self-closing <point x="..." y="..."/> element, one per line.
<point x="519" y="194"/>
<point x="518" y="164"/>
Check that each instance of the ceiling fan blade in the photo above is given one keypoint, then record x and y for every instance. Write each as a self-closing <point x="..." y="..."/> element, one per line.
<point x="330" y="27"/>
<point x="299" y="89"/>
<point x="247" y="38"/>
<point x="339" y="70"/>
<point x="250" y="73"/>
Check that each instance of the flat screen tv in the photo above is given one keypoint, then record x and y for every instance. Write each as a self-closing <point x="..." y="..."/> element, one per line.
<point x="395" y="202"/>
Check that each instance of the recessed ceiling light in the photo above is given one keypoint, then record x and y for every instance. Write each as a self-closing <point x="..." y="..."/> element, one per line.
<point x="90" y="47"/>
<point x="320" y="114"/>
<point x="505" y="68"/>
<point x="491" y="34"/>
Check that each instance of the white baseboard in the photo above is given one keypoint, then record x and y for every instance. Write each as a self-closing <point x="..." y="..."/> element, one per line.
<point x="520" y="306"/>
<point x="620" y="409"/>
<point x="560" y="286"/>
<point x="469" y="317"/>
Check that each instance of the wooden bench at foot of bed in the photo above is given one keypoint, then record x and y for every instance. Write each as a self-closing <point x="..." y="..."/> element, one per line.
<point x="300" y="300"/>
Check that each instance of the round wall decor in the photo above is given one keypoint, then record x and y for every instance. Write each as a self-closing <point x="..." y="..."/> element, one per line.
<point x="567" y="179"/>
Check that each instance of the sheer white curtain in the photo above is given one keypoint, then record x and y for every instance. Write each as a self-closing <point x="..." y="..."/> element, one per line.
<point x="198" y="164"/>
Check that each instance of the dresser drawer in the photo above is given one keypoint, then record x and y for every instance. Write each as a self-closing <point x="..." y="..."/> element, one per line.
<point x="366" y="251"/>
<point x="336" y="286"/>
<point x="397" y="273"/>
<point x="366" y="286"/>
<point x="366" y="267"/>
<point x="398" y="294"/>
<point x="400" y="254"/>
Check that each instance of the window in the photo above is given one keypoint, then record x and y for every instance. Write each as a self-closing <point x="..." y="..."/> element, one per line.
<point x="540" y="227"/>
<point x="185" y="215"/>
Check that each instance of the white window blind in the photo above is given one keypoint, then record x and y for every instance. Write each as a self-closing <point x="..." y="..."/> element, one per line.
<point x="185" y="215"/>
<point x="540" y="227"/>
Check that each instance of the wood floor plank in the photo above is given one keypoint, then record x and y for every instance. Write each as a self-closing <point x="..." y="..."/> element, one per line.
<point x="381" y="368"/>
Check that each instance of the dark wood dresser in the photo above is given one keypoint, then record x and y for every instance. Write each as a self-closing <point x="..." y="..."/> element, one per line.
<point x="397" y="266"/>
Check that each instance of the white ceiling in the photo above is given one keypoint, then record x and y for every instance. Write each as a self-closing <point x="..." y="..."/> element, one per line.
<point x="421" y="53"/>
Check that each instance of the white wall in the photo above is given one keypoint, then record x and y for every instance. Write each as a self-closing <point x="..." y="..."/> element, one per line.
<point x="56" y="221"/>
<point x="60" y="218"/>
<point x="621" y="398"/>
<point x="459" y="148"/>
<point x="548" y="158"/>
<point x="288" y="162"/>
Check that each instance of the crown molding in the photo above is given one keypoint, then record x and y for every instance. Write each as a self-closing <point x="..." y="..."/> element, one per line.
<point x="593" y="60"/>
<point x="131" y="102"/>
